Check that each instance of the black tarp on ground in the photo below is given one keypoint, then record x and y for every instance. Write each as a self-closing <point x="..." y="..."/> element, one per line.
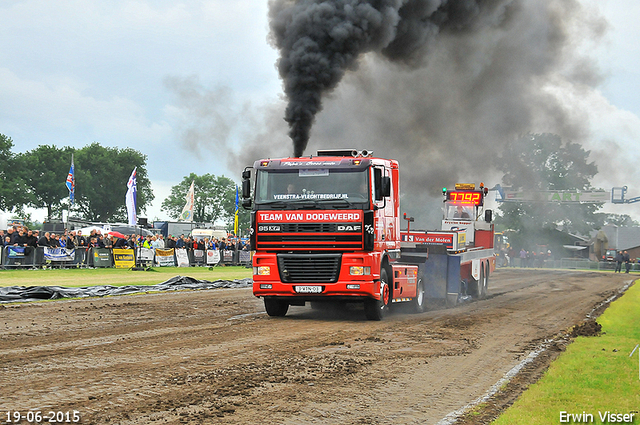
<point x="38" y="293"/>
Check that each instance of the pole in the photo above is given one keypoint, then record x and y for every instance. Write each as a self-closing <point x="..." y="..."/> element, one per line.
<point x="409" y="220"/>
<point x="634" y="350"/>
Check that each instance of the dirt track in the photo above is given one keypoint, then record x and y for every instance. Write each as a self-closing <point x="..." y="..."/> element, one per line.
<point x="215" y="357"/>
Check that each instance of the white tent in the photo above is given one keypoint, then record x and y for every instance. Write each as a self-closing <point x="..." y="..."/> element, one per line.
<point x="86" y="231"/>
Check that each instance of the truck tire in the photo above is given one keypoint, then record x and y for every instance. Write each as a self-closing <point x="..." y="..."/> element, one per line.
<point x="418" y="303"/>
<point x="275" y="306"/>
<point x="478" y="288"/>
<point x="377" y="309"/>
<point x="473" y="288"/>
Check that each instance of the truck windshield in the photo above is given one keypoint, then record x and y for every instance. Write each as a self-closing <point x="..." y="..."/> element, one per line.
<point x="320" y="187"/>
<point x="457" y="211"/>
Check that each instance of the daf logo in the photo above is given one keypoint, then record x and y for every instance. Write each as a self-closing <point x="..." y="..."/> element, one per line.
<point x="349" y="228"/>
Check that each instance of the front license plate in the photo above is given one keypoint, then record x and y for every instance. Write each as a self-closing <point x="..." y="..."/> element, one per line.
<point x="308" y="289"/>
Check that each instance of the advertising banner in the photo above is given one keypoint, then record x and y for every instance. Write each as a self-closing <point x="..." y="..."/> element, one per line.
<point x="101" y="257"/>
<point x="164" y="257"/>
<point x="213" y="256"/>
<point x="145" y="254"/>
<point x="58" y="254"/>
<point x="15" y="251"/>
<point x="429" y="238"/>
<point x="450" y="240"/>
<point x="245" y="256"/>
<point x="124" y="258"/>
<point x="182" y="257"/>
<point x="228" y="256"/>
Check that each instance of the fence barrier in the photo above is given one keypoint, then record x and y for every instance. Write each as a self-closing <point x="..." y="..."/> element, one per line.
<point x="28" y="257"/>
<point x="12" y="257"/>
<point x="569" y="264"/>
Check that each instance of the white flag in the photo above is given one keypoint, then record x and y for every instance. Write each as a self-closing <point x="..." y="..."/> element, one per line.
<point x="187" y="211"/>
<point x="131" y="200"/>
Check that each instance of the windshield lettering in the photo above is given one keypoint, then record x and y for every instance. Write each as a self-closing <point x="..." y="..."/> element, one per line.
<point x="302" y="188"/>
<point x="311" y="196"/>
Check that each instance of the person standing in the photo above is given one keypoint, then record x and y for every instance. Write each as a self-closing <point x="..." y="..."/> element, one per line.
<point x="13" y="235"/>
<point x="70" y="240"/>
<point x="23" y="241"/>
<point x="45" y="240"/>
<point x="32" y="239"/>
<point x="155" y="242"/>
<point x="619" y="259"/>
<point x="627" y="261"/>
<point x="132" y="242"/>
<point x="512" y="256"/>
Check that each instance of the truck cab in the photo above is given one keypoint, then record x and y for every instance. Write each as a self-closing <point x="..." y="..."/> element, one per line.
<point x="323" y="227"/>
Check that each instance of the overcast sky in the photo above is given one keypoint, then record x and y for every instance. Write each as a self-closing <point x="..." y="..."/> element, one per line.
<point x="116" y="72"/>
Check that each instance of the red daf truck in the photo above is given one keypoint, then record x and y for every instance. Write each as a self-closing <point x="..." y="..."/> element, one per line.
<point x="328" y="228"/>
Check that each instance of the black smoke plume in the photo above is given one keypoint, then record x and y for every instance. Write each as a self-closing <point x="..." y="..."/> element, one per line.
<point x="321" y="40"/>
<point x="443" y="87"/>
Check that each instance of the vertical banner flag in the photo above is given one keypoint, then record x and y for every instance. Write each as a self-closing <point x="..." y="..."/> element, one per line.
<point x="235" y="220"/>
<point x="71" y="182"/>
<point x="131" y="199"/>
<point x="187" y="211"/>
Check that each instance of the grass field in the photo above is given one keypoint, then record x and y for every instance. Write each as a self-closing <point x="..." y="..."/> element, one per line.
<point x="115" y="277"/>
<point x="594" y="376"/>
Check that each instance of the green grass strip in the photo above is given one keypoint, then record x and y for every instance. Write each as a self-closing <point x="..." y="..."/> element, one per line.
<point x="116" y="277"/>
<point x="593" y="376"/>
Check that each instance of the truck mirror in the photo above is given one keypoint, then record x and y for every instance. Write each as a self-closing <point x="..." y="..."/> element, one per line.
<point x="246" y="174"/>
<point x="246" y="189"/>
<point x="488" y="216"/>
<point x="382" y="185"/>
<point x="386" y="186"/>
<point x="377" y="183"/>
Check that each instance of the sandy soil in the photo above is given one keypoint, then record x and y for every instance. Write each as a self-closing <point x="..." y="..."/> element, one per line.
<point x="215" y="357"/>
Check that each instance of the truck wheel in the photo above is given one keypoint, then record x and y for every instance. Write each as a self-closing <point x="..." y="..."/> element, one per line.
<point x="275" y="307"/>
<point x="377" y="309"/>
<point x="418" y="303"/>
<point x="473" y="288"/>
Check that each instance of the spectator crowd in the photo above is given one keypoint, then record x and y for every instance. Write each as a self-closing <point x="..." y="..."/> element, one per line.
<point x="21" y="236"/>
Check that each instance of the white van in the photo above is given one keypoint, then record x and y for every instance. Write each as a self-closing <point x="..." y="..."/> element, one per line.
<point x="200" y="234"/>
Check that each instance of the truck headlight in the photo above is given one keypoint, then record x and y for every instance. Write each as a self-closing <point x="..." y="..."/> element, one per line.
<point x="262" y="270"/>
<point x="359" y="271"/>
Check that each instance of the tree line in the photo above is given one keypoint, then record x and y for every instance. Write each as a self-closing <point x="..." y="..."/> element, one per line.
<point x="543" y="162"/>
<point x="214" y="201"/>
<point x="36" y="179"/>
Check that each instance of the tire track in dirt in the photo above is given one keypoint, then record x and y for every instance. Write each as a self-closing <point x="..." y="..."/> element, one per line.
<point x="214" y="357"/>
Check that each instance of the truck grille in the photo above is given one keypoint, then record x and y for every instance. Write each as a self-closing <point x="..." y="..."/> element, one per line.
<point x="310" y="236"/>
<point x="309" y="268"/>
